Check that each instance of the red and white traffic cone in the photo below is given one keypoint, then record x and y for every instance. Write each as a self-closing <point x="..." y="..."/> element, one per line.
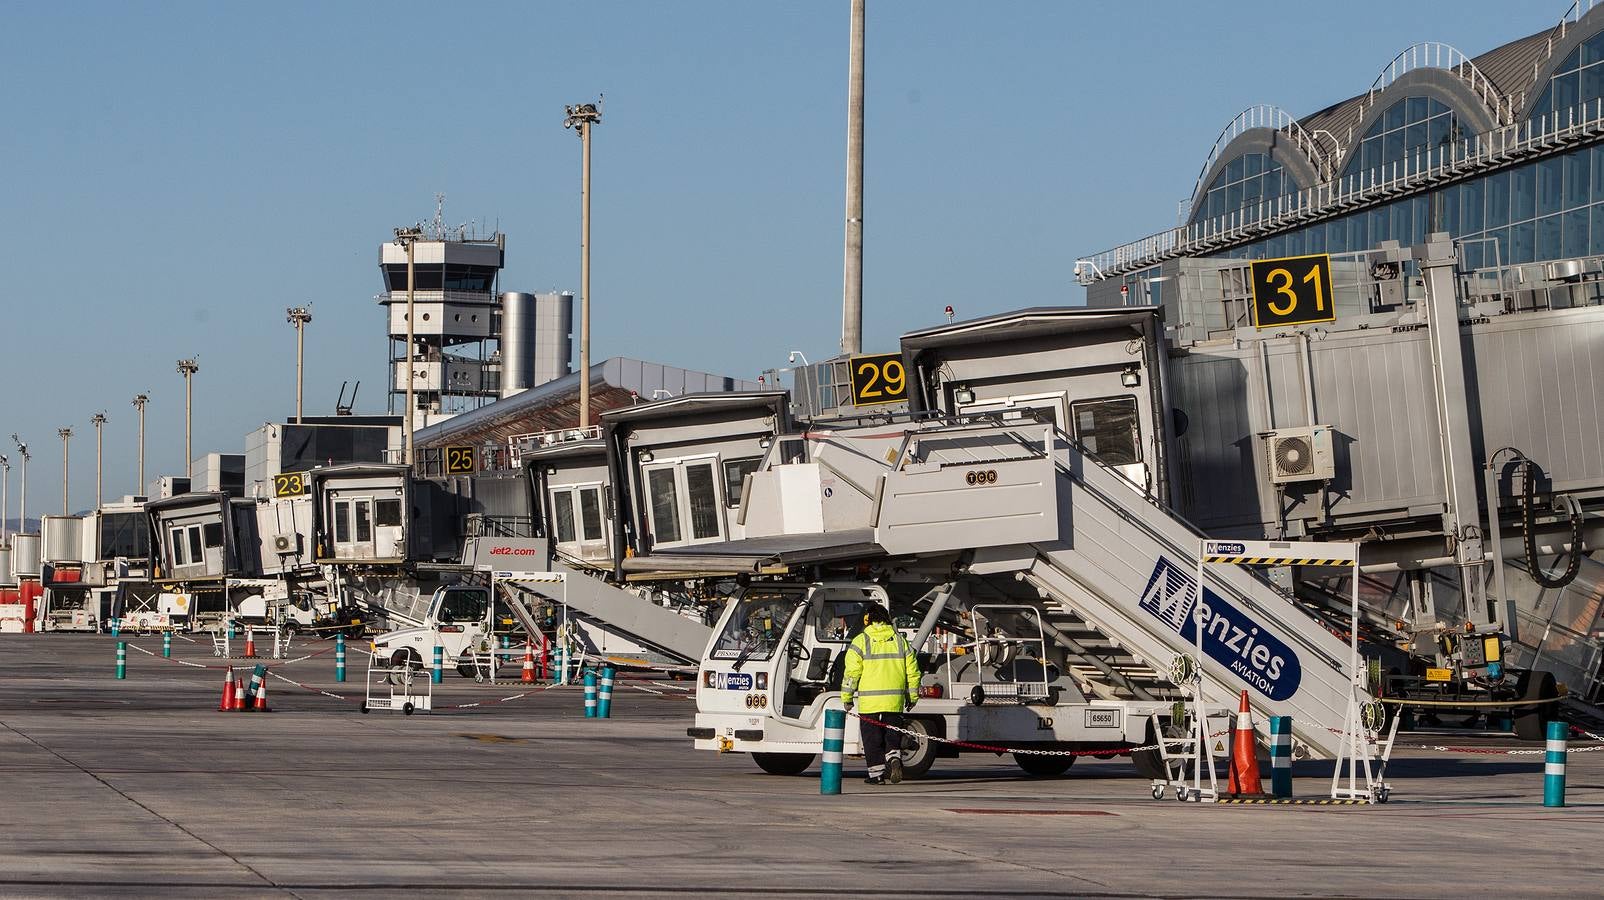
<point x="250" y="644"/>
<point x="239" y="696"/>
<point x="1244" y="779"/>
<point x="228" y="691"/>
<point x="529" y="663"/>
<point x="261" y="697"/>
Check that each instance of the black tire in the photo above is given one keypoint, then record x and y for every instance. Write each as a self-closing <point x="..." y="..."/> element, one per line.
<point x="406" y="709"/>
<point x="1150" y="763"/>
<point x="1043" y="766"/>
<point x="783" y="763"/>
<point x="1531" y="722"/>
<point x="917" y="759"/>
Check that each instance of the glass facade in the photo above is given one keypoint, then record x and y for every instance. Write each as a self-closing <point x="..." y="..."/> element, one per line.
<point x="1407" y="132"/>
<point x="1579" y="80"/>
<point x="1548" y="209"/>
<point x="1246" y="182"/>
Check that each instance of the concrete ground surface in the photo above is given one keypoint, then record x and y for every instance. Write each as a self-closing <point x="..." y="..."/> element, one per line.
<point x="139" y="787"/>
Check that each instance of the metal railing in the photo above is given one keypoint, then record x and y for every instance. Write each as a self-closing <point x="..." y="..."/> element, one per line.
<point x="1437" y="55"/>
<point x="1498" y="147"/>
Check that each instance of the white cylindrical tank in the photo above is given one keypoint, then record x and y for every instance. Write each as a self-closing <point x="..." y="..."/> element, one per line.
<point x="6" y="578"/>
<point x="63" y="538"/>
<point x="24" y="556"/>
<point x="554" y="343"/>
<point x="518" y="324"/>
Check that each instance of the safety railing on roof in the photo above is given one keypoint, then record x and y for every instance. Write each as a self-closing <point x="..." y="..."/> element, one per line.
<point x="1499" y="147"/>
<point x="1574" y="14"/>
<point x="1276" y="119"/>
<point x="1437" y="55"/>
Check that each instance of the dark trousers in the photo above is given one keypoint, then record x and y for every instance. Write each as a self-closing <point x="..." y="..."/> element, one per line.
<point x="877" y="740"/>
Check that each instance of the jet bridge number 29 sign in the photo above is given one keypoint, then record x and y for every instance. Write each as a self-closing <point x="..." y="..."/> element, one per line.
<point x="878" y="379"/>
<point x="1295" y="290"/>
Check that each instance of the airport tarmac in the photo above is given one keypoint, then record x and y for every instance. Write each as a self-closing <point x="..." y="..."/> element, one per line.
<point x="139" y="787"/>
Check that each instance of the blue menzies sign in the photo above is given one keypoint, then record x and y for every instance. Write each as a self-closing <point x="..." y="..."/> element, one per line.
<point x="1233" y="639"/>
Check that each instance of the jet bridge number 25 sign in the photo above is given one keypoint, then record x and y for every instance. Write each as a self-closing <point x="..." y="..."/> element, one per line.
<point x="1295" y="290"/>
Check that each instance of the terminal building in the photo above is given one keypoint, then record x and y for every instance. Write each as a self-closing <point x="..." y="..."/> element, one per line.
<point x="1501" y="151"/>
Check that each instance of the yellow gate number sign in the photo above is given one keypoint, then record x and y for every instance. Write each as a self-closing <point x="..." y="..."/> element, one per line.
<point x="290" y="484"/>
<point x="877" y="379"/>
<point x="1295" y="290"/>
<point x="459" y="461"/>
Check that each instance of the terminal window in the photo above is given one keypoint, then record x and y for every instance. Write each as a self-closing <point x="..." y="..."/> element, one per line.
<point x="1109" y="429"/>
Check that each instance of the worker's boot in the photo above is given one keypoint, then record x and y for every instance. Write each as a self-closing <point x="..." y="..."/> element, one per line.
<point x="894" y="770"/>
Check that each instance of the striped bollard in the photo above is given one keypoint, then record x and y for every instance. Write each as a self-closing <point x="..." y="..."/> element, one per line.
<point x="835" y="734"/>
<point x="604" y="700"/>
<point x="1281" y="756"/>
<point x="231" y="629"/>
<point x="590" y="694"/>
<point x="438" y="674"/>
<point x="1554" y="765"/>
<point x="115" y="626"/>
<point x="560" y="672"/>
<point x="122" y="672"/>
<point x="339" y="657"/>
<point x="167" y="643"/>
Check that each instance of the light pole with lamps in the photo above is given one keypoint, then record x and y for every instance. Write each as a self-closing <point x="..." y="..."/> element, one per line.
<point x="66" y="439"/>
<point x="139" y="404"/>
<point x="99" y="420"/>
<point x="299" y="316"/>
<point x="188" y="368"/>
<point x="5" y="503"/>
<point x="22" y="511"/>
<point x="582" y="116"/>
<point x="407" y="237"/>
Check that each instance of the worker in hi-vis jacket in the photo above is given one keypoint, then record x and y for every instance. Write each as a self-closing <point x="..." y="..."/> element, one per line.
<point x="882" y="680"/>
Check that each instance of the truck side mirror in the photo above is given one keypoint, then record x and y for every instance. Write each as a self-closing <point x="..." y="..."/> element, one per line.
<point x="819" y="664"/>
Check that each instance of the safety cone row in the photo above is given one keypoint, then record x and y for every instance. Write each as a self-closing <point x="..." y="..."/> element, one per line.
<point x="529" y="663"/>
<point x="1244" y="780"/>
<point x="237" y="699"/>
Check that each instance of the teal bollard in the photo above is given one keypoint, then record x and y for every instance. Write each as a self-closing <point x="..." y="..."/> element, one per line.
<point x="231" y="629"/>
<point x="559" y="673"/>
<point x="590" y="694"/>
<point x="122" y="659"/>
<point x="438" y="674"/>
<point x="604" y="700"/>
<point x="835" y="733"/>
<point x="115" y="629"/>
<point x="339" y="657"/>
<point x="1281" y="756"/>
<point x="167" y="643"/>
<point x="1554" y="765"/>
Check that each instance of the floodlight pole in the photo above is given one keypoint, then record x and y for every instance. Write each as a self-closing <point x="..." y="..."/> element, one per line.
<point x="299" y="316"/>
<point x="582" y="116"/>
<point x="188" y="368"/>
<point x="852" y="286"/>
<point x="22" y="511"/>
<point x="99" y="421"/>
<point x="407" y="237"/>
<point x="139" y="404"/>
<point x="66" y="439"/>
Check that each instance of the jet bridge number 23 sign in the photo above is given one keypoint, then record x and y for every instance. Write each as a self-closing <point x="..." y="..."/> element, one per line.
<point x="1295" y="290"/>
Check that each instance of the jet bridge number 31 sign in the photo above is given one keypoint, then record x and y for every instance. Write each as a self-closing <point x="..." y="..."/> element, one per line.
<point x="1295" y="290"/>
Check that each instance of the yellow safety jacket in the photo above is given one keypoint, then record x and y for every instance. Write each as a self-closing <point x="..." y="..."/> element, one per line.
<point x="882" y="672"/>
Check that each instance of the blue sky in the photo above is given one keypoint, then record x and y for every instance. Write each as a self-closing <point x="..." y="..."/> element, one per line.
<point x="178" y="173"/>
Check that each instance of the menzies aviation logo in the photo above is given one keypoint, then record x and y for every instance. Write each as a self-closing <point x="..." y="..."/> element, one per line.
<point x="1229" y="636"/>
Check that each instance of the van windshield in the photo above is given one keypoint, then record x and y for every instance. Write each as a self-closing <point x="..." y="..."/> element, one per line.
<point x="754" y="629"/>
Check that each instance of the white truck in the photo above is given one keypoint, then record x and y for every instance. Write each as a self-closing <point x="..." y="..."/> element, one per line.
<point x="459" y="621"/>
<point x="776" y="661"/>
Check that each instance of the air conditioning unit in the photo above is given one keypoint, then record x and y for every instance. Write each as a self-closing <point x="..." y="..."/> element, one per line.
<point x="1299" y="454"/>
<point x="286" y="544"/>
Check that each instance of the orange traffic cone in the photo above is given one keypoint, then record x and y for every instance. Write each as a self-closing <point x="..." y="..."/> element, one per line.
<point x="239" y="696"/>
<point x="261" y="697"/>
<point x="250" y="644"/>
<point x="228" y="691"/>
<point x="1244" y="779"/>
<point x="529" y="662"/>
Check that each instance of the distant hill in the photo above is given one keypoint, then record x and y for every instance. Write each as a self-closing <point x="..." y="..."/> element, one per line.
<point x="11" y="525"/>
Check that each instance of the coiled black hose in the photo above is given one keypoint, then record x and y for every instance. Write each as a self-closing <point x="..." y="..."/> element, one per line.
<point x="1529" y="516"/>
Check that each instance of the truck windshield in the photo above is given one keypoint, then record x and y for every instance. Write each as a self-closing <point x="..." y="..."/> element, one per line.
<point x="754" y="629"/>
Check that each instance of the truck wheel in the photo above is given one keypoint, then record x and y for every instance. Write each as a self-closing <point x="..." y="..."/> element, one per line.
<point x="918" y="759"/>
<point x="783" y="763"/>
<point x="1043" y="766"/>
<point x="1150" y="763"/>
<point x="1531" y="722"/>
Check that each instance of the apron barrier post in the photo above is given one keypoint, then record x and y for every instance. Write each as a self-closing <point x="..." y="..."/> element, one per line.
<point x="590" y="694"/>
<point x="1554" y="765"/>
<point x="167" y="644"/>
<point x="604" y="702"/>
<point x="122" y="659"/>
<point x="1281" y="756"/>
<point x="438" y="674"/>
<point x="835" y="730"/>
<point x="339" y="657"/>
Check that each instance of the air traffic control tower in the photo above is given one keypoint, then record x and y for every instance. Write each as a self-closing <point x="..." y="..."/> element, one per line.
<point x="472" y="344"/>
